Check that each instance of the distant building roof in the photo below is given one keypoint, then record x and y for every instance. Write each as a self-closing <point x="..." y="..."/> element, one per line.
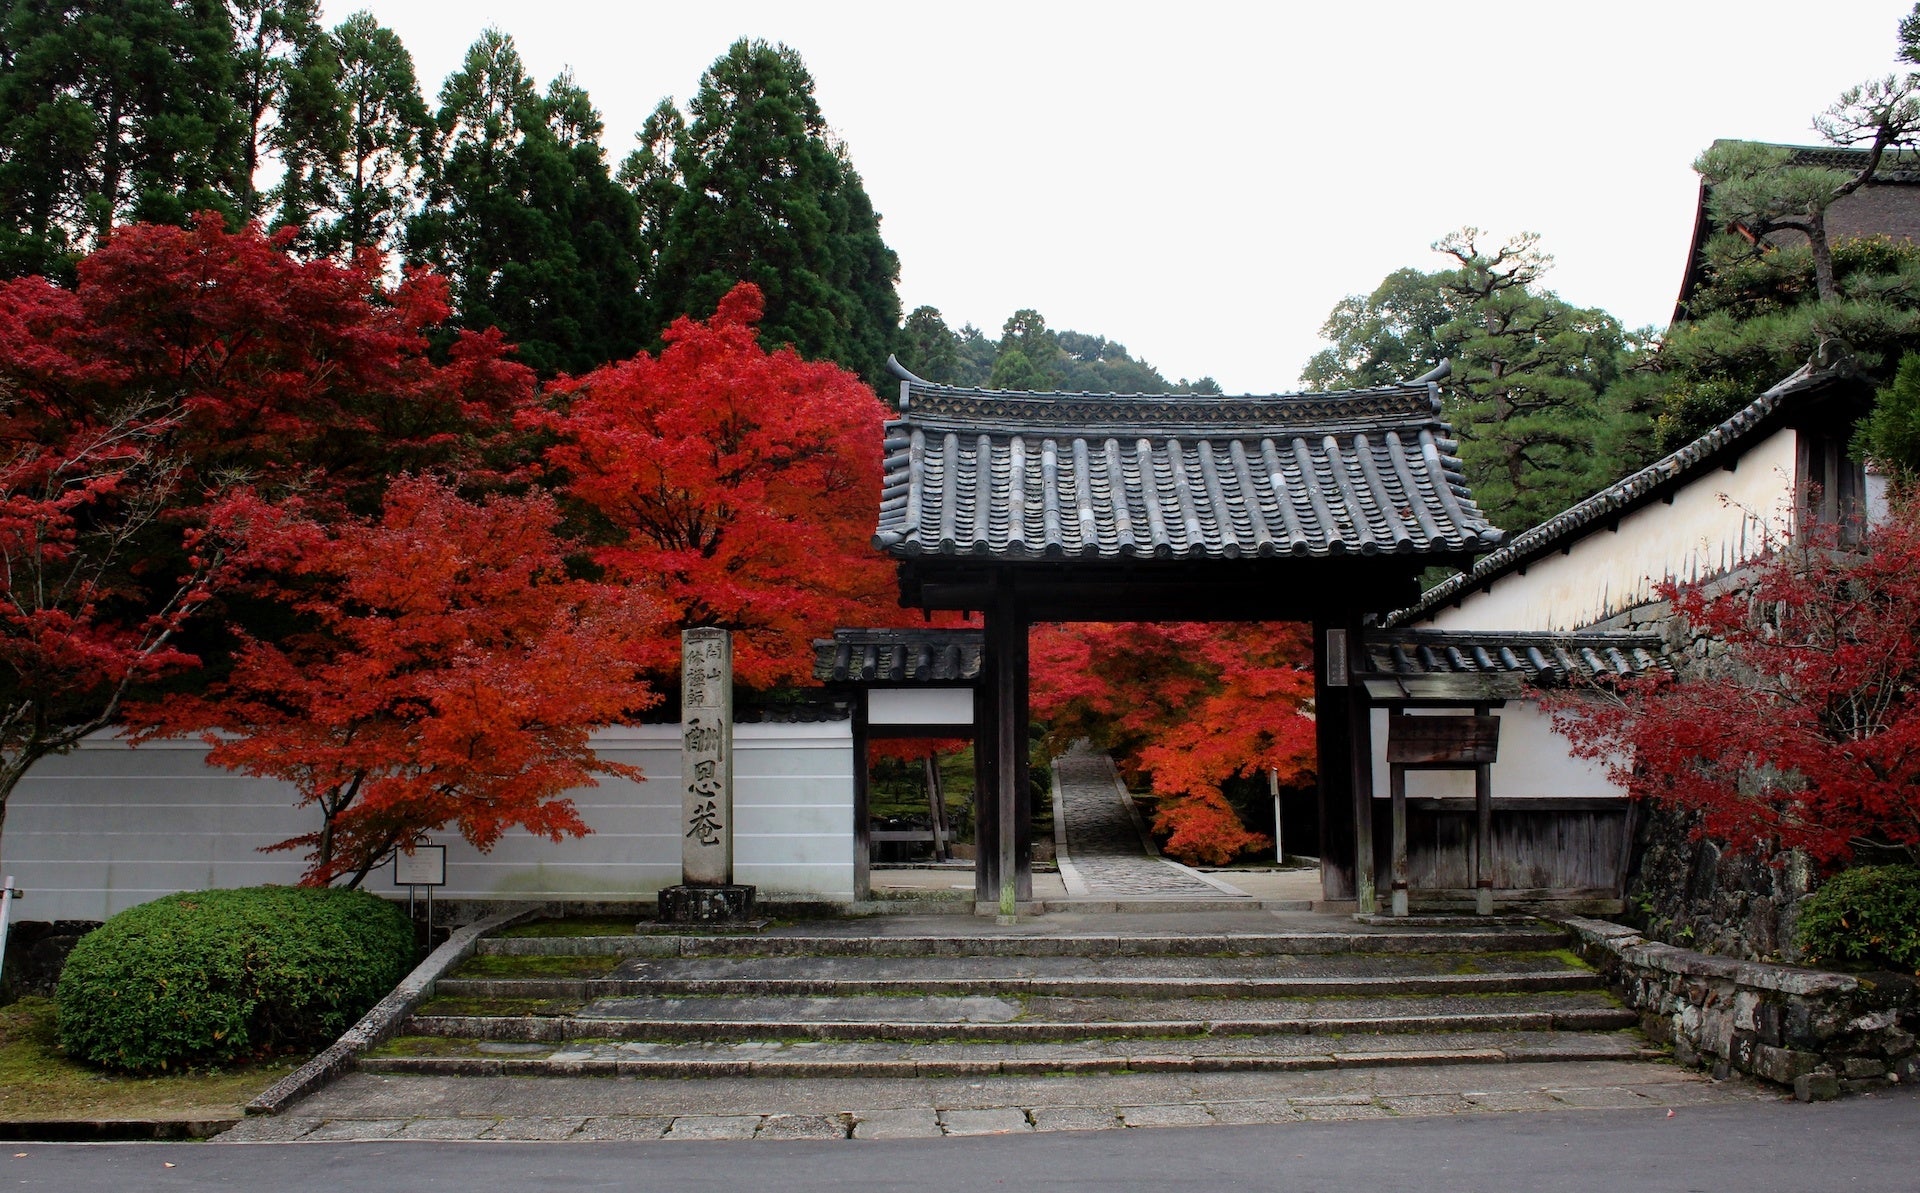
<point x="1663" y="476"/>
<point x="898" y="657"/>
<point x="1029" y="476"/>
<point x="1888" y="205"/>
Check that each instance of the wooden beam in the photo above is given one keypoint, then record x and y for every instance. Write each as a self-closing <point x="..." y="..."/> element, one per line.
<point x="1360" y="769"/>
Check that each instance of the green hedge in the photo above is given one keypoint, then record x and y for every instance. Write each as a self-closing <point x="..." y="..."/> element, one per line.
<point x="1867" y="917"/>
<point x="207" y="977"/>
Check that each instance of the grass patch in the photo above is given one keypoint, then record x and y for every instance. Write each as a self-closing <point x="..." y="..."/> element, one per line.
<point x="38" y="1083"/>
<point x="500" y="965"/>
<point x="599" y="925"/>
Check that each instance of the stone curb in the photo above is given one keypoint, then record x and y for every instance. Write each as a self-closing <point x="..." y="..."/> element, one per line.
<point x="657" y="1067"/>
<point x="1063" y="860"/>
<point x="384" y="1019"/>
<point x="112" y="1130"/>
<point x="1762" y="975"/>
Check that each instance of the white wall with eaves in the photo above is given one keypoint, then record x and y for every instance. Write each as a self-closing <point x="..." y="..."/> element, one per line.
<point x="1714" y="524"/>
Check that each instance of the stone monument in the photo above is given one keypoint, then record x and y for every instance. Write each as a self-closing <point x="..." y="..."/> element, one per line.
<point x="707" y="892"/>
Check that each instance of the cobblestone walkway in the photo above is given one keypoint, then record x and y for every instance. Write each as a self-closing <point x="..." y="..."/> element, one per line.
<point x="1103" y="844"/>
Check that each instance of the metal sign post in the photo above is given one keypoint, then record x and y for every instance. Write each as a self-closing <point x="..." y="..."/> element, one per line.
<point x="426" y="867"/>
<point x="7" y="895"/>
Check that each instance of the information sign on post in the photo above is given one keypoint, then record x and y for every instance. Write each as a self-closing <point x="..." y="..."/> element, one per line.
<point x="426" y="867"/>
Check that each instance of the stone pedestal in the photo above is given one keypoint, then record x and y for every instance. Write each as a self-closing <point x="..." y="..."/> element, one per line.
<point x="731" y="904"/>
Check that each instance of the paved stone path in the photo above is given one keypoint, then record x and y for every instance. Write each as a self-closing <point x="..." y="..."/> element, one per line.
<point x="1103" y="843"/>
<point x="365" y="1106"/>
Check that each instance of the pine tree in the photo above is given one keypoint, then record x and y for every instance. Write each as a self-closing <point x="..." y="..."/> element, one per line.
<point x="764" y="195"/>
<point x="1529" y="370"/>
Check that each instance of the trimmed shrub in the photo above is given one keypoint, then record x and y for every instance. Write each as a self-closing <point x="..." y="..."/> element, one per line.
<point x="207" y="977"/>
<point x="1868" y="916"/>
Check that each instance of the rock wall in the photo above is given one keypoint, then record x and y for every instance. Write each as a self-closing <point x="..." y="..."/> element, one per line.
<point x="1693" y="892"/>
<point x="36" y="952"/>
<point x="1817" y="1032"/>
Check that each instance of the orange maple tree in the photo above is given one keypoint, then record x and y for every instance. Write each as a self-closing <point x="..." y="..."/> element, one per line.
<point x="447" y="671"/>
<point x="737" y="488"/>
<point x="1187" y="706"/>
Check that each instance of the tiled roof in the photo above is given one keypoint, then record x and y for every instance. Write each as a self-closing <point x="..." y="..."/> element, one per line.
<point x="898" y="656"/>
<point x="1021" y="476"/>
<point x="1896" y="164"/>
<point x="1615" y="500"/>
<point x="1542" y="658"/>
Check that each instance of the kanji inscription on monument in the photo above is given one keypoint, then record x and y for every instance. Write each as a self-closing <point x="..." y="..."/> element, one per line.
<point x="706" y="757"/>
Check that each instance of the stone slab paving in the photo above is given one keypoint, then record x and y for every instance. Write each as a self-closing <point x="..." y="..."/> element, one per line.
<point x="365" y="1106"/>
<point x="1104" y="843"/>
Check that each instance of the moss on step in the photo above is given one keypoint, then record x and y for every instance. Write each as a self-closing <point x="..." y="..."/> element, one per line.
<point x="502" y="965"/>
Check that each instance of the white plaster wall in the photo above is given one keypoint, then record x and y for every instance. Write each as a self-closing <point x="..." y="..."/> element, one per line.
<point x="920" y="706"/>
<point x="107" y="826"/>
<point x="1714" y="525"/>
<point x="1533" y="760"/>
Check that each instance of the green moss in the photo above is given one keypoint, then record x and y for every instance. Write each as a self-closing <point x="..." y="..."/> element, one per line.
<point x="425" y="1046"/>
<point x="498" y="1007"/>
<point x="604" y="925"/>
<point x="497" y="965"/>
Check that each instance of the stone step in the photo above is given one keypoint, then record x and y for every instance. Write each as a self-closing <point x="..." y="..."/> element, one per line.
<point x="584" y="989"/>
<point x="1012" y="968"/>
<point x="851" y="942"/>
<point x="809" y="1059"/>
<point x="982" y="1018"/>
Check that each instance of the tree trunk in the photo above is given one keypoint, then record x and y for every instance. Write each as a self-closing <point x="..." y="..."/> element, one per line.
<point x="1822" y="257"/>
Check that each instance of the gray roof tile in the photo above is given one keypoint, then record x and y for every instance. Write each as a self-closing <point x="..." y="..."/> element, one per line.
<point x="1014" y="475"/>
<point x="1542" y="658"/>
<point x="898" y="657"/>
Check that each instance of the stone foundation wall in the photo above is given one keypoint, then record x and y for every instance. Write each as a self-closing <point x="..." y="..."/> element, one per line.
<point x="36" y="953"/>
<point x="1817" y="1032"/>
<point x="1695" y="894"/>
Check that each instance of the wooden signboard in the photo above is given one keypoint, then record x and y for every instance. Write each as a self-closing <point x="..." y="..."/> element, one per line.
<point x="1442" y="741"/>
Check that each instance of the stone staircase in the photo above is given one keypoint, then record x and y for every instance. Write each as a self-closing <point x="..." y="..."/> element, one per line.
<point x="952" y="996"/>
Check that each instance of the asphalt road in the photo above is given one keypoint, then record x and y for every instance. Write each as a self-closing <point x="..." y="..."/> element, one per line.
<point x="1861" y="1143"/>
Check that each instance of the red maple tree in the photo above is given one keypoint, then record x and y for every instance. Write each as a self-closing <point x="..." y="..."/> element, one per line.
<point x="1187" y="706"/>
<point x="448" y="671"/>
<point x="738" y="489"/>
<point x="151" y="414"/>
<point x="1805" y="733"/>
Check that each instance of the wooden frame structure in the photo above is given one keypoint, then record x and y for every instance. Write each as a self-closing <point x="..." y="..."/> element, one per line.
<point x="1031" y="508"/>
<point x="1531" y="849"/>
<point x="916" y="674"/>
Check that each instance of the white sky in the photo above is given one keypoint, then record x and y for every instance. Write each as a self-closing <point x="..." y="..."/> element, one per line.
<point x="1203" y="181"/>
